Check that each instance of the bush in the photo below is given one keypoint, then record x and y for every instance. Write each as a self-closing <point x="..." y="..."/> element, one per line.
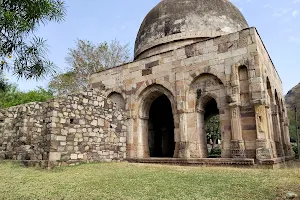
<point x="214" y="153"/>
<point x="295" y="149"/>
<point x="12" y="96"/>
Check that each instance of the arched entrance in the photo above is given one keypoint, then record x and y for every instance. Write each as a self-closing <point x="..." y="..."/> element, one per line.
<point x="161" y="128"/>
<point x="209" y="127"/>
<point x="157" y="123"/>
<point x="208" y="98"/>
<point x="212" y="128"/>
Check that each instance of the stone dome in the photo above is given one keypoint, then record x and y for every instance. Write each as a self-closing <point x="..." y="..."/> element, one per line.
<point x="186" y="20"/>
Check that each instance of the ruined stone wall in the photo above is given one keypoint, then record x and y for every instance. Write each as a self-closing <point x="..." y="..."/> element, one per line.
<point x="87" y="127"/>
<point x="23" y="132"/>
<point x="76" y="128"/>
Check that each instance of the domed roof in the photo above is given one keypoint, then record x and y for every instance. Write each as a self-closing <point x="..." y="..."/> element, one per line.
<point x="174" y="20"/>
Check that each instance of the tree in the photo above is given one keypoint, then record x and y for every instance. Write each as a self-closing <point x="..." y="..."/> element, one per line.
<point x="292" y="98"/>
<point x="85" y="59"/>
<point x="12" y="96"/>
<point x="3" y="83"/>
<point x="292" y="127"/>
<point x="20" y="50"/>
<point x="212" y="129"/>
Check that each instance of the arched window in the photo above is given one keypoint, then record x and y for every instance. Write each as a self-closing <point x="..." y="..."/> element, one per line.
<point x="117" y="99"/>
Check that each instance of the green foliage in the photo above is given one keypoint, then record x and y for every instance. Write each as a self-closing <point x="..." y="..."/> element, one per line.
<point x="293" y="134"/>
<point x="85" y="59"/>
<point x="13" y="97"/>
<point x="3" y="83"/>
<point x="212" y="128"/>
<point x="64" y="83"/>
<point x="216" y="152"/>
<point x="295" y="149"/>
<point x="20" y="50"/>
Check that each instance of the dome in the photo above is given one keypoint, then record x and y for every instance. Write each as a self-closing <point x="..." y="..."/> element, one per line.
<point x="184" y="21"/>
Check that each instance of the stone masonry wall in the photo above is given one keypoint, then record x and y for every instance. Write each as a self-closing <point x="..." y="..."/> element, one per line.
<point x="238" y="60"/>
<point x="80" y="127"/>
<point x="86" y="127"/>
<point x="23" y="132"/>
<point x="177" y="70"/>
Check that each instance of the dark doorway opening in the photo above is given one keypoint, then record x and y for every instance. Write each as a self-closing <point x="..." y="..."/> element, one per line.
<point x="212" y="129"/>
<point x="161" y="128"/>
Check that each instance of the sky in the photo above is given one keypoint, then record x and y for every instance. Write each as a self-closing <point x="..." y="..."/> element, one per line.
<point x="277" y="21"/>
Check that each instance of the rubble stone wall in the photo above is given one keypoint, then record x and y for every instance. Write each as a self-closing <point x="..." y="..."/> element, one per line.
<point x="76" y="128"/>
<point x="23" y="132"/>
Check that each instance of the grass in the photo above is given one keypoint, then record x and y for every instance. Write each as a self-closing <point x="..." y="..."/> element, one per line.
<point x="138" y="181"/>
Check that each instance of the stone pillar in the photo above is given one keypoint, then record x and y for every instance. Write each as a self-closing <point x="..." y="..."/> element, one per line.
<point x="277" y="132"/>
<point x="203" y="153"/>
<point x="289" y="150"/>
<point x="183" y="145"/>
<point x="129" y="139"/>
<point x="263" y="146"/>
<point x="271" y="131"/>
<point x="142" y="138"/>
<point x="176" y="135"/>
<point x="237" y="142"/>
<point x="283" y="135"/>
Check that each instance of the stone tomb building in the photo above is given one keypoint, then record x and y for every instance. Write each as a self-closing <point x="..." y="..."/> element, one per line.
<point x="193" y="59"/>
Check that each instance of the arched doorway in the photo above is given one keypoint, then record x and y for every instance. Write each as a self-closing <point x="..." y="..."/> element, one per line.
<point x="212" y="127"/>
<point x="161" y="128"/>
<point x="207" y="96"/>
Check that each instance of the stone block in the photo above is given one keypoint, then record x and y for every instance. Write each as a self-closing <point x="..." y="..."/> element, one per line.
<point x="80" y="156"/>
<point x="72" y="130"/>
<point x="74" y="156"/>
<point x="54" y="156"/>
<point x="101" y="122"/>
<point x="94" y="123"/>
<point x="122" y="139"/>
<point x="61" y="138"/>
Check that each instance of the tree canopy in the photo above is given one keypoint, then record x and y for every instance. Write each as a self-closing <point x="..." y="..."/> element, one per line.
<point x="85" y="59"/>
<point x="12" y="96"/>
<point x="212" y="128"/>
<point x="20" y="50"/>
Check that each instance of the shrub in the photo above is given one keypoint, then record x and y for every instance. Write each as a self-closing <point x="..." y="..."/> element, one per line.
<point x="295" y="149"/>
<point x="214" y="153"/>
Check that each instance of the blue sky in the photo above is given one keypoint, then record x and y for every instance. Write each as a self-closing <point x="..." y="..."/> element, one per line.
<point x="277" y="21"/>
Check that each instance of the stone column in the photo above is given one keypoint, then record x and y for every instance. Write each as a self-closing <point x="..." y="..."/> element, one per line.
<point x="142" y="138"/>
<point x="237" y="142"/>
<point x="271" y="131"/>
<point x="202" y="134"/>
<point x="289" y="150"/>
<point x="263" y="146"/>
<point x="183" y="146"/>
<point x="130" y="150"/>
<point x="176" y="135"/>
<point x="277" y="132"/>
<point x="283" y="135"/>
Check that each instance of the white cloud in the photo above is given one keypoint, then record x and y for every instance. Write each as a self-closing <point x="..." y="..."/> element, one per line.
<point x="280" y="12"/>
<point x="295" y="40"/>
<point x="295" y="13"/>
<point x="267" y="6"/>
